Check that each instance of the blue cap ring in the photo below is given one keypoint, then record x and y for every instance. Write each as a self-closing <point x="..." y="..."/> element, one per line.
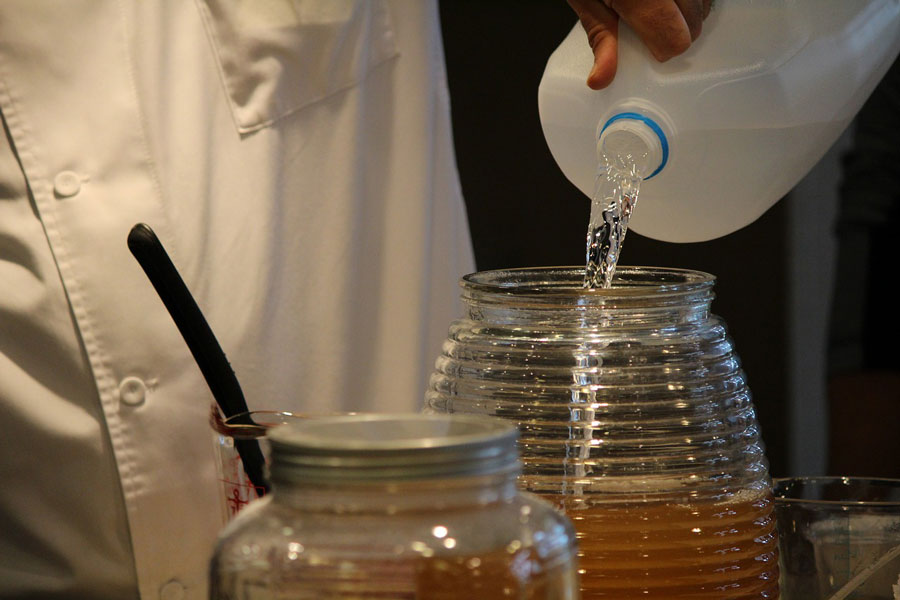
<point x="653" y="125"/>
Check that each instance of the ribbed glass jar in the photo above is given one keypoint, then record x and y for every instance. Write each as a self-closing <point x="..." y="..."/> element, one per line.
<point x="635" y="418"/>
<point x="418" y="507"/>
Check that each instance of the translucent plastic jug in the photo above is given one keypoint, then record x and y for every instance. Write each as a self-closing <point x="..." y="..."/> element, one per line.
<point x="735" y="122"/>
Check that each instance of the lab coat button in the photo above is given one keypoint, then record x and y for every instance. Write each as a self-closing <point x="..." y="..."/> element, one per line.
<point x="172" y="590"/>
<point x="66" y="184"/>
<point x="132" y="391"/>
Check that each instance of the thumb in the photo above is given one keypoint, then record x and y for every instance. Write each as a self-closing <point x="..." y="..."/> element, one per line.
<point x="602" y="27"/>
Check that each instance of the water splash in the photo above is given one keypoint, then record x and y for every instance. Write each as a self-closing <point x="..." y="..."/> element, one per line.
<point x="615" y="194"/>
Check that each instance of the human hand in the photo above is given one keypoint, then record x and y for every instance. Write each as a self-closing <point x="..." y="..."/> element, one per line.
<point x="667" y="27"/>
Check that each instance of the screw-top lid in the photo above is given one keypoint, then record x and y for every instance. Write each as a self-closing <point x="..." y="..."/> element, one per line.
<point x="369" y="448"/>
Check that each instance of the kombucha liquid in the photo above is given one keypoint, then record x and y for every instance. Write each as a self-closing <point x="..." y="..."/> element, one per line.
<point x="705" y="549"/>
<point x="509" y="572"/>
<point x="500" y="574"/>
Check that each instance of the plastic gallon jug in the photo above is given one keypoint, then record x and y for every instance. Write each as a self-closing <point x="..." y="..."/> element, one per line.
<point x="735" y="122"/>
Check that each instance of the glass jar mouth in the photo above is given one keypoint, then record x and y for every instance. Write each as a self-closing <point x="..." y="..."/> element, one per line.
<point x="837" y="492"/>
<point x="630" y="281"/>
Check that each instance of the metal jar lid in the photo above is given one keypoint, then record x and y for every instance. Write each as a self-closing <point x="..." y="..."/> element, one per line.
<point x="381" y="447"/>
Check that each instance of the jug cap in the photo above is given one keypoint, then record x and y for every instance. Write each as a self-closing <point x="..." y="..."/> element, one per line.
<point x="636" y="136"/>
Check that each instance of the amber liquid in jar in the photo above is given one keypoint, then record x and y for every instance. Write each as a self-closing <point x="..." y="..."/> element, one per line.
<point x="507" y="573"/>
<point x="504" y="573"/>
<point x="723" y="549"/>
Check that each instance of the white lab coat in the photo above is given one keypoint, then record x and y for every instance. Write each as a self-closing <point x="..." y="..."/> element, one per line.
<point x="295" y="157"/>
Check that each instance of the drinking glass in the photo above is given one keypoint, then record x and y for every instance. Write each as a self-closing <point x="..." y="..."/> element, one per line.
<point x="839" y="537"/>
<point x="236" y="487"/>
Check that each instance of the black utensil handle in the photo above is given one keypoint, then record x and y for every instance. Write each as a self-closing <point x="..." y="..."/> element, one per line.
<point x="201" y="341"/>
<point x="254" y="464"/>
<point x="155" y="261"/>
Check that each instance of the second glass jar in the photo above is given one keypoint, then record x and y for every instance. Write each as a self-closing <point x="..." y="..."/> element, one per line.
<point x="396" y="506"/>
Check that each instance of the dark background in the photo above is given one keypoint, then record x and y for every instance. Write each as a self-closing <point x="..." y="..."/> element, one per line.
<point x="523" y="212"/>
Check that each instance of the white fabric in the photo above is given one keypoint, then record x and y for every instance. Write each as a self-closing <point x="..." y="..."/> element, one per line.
<point x="295" y="157"/>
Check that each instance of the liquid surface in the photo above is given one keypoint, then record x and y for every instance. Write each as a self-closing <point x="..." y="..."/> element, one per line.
<point x="615" y="194"/>
<point x="709" y="549"/>
<point x="505" y="573"/>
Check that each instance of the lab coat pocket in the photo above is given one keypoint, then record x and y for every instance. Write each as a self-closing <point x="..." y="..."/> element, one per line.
<point x="277" y="56"/>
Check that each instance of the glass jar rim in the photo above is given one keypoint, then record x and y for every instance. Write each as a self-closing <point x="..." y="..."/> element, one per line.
<point x="798" y="487"/>
<point x="566" y="281"/>
<point x="250" y="424"/>
<point x="254" y="424"/>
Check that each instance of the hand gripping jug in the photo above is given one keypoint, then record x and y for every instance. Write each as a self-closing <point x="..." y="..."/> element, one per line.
<point x="735" y="122"/>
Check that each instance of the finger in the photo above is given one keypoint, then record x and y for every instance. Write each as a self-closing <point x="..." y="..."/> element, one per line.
<point x="602" y="27"/>
<point x="659" y="23"/>
<point x="707" y="6"/>
<point x="692" y="11"/>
